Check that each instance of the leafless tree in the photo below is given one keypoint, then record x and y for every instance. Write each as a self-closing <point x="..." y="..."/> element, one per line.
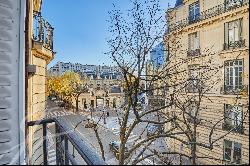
<point x="134" y="35"/>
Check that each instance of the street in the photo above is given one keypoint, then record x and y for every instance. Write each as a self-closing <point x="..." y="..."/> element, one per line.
<point x="108" y="132"/>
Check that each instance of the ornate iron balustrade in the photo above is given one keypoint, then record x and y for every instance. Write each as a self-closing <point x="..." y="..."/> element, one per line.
<point x="192" y="53"/>
<point x="231" y="90"/>
<point x="209" y="13"/>
<point x="233" y="45"/>
<point x="64" y="137"/>
<point x="43" y="31"/>
<point x="236" y="129"/>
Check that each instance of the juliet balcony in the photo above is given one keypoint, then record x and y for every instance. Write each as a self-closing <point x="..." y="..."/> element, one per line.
<point x="227" y="6"/>
<point x="193" y="53"/>
<point x="43" y="38"/>
<point x="231" y="90"/>
<point x="234" y="45"/>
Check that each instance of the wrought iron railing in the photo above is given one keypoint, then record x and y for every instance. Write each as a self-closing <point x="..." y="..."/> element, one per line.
<point x="212" y="12"/>
<point x="192" y="53"/>
<point x="236" y="129"/>
<point x="233" y="90"/>
<point x="233" y="45"/>
<point x="66" y="138"/>
<point x="43" y="31"/>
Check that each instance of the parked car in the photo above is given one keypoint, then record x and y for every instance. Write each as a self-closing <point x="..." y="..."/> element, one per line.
<point x="114" y="147"/>
<point x="154" y="129"/>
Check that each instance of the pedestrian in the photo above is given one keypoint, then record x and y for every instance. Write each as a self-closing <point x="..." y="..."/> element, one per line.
<point x="107" y="114"/>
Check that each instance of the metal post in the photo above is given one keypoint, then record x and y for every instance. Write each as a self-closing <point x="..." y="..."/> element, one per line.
<point x="45" y="153"/>
<point x="104" y="117"/>
<point x="57" y="145"/>
<point x="66" y="148"/>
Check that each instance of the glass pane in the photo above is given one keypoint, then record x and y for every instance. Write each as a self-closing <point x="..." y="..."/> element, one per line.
<point x="240" y="62"/>
<point x="236" y="62"/>
<point x="240" y="81"/>
<point x="227" y="150"/>
<point x="231" y="72"/>
<point x="237" y="153"/>
<point x="231" y="36"/>
<point x="236" y="71"/>
<point x="236" y="34"/>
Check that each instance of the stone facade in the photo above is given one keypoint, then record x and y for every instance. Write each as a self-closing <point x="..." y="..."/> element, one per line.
<point x="39" y="53"/>
<point x="202" y="30"/>
<point x="102" y="92"/>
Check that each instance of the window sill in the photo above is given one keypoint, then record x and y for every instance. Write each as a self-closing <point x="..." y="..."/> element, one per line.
<point x="234" y="50"/>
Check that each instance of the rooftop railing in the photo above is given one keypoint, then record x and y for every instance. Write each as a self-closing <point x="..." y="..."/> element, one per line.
<point x="212" y="12"/>
<point x="66" y="139"/>
<point x="43" y="31"/>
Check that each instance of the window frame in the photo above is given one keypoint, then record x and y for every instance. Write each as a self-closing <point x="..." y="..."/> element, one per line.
<point x="228" y="77"/>
<point x="232" y="109"/>
<point x="232" y="160"/>
<point x="192" y="9"/>
<point x="192" y="39"/>
<point x="240" y="31"/>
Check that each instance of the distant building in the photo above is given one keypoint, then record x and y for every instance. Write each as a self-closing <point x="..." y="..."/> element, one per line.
<point x="158" y="55"/>
<point x="92" y="71"/>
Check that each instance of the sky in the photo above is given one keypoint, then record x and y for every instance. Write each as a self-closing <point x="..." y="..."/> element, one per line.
<point x="81" y="28"/>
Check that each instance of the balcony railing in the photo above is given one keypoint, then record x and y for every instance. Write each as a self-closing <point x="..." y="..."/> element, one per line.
<point x="236" y="129"/>
<point x="232" y="90"/>
<point x="233" y="45"/>
<point x="43" y="31"/>
<point x="212" y="12"/>
<point x="193" y="53"/>
<point x="65" y="139"/>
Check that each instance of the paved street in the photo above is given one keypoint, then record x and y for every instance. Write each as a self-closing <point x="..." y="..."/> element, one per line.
<point x="108" y="132"/>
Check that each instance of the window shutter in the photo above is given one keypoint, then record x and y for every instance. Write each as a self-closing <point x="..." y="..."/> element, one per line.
<point x="226" y="34"/>
<point x="10" y="96"/>
<point x="240" y="29"/>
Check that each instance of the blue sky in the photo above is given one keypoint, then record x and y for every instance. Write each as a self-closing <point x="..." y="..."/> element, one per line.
<point x="81" y="28"/>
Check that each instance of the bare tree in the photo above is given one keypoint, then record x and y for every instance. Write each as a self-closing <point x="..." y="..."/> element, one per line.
<point x="134" y="35"/>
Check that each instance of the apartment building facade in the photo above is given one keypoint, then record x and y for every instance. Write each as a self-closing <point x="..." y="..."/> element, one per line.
<point x="91" y="70"/>
<point x="39" y="53"/>
<point x="210" y="34"/>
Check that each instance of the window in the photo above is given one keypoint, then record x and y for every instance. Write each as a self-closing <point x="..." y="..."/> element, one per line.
<point x="233" y="34"/>
<point x="233" y="75"/>
<point x="233" y="117"/>
<point x="194" y="41"/>
<point x="194" y="12"/>
<point x="194" y="75"/>
<point x="232" y="151"/>
<point x="231" y="4"/>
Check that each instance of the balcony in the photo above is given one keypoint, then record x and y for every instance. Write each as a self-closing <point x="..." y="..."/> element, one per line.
<point x="212" y="12"/>
<point x="193" y="53"/>
<point x="237" y="129"/>
<point x="232" y="90"/>
<point x="234" y="45"/>
<point x="66" y="139"/>
<point x="42" y="32"/>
